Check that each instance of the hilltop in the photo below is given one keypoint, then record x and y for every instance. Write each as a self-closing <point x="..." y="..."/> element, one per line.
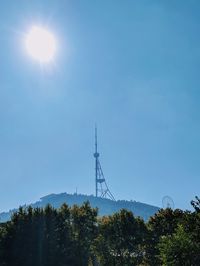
<point x="105" y="206"/>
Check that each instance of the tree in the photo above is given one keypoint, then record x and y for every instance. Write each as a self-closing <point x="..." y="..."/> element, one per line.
<point x="41" y="237"/>
<point x="178" y="249"/>
<point x="84" y="230"/>
<point x="65" y="239"/>
<point x="163" y="223"/>
<point x="196" y="204"/>
<point x="121" y="239"/>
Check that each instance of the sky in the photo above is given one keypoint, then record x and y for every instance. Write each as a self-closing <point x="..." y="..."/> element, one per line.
<point x="130" y="66"/>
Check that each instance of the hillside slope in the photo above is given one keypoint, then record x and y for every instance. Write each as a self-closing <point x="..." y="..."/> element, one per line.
<point x="105" y="206"/>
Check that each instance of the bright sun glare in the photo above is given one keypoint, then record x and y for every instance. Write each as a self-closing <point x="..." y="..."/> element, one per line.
<point x="41" y="44"/>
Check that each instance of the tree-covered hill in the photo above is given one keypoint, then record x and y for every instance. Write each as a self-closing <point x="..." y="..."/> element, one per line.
<point x="105" y="206"/>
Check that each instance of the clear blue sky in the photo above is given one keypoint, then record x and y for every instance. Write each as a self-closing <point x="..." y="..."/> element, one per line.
<point x="132" y="67"/>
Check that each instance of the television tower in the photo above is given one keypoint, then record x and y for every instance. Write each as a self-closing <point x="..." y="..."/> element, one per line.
<point x="101" y="188"/>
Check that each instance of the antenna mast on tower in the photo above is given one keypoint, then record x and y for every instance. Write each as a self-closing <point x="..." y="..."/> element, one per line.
<point x="101" y="188"/>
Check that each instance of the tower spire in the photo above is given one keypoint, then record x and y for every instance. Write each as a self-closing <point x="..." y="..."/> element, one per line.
<point x="95" y="138"/>
<point x="101" y="188"/>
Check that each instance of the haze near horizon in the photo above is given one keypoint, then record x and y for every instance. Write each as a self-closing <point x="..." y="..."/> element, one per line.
<point x="132" y="68"/>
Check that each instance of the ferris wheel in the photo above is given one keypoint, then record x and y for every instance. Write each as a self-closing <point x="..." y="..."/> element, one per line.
<point x="167" y="202"/>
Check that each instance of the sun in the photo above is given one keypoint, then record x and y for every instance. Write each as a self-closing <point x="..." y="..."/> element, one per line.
<point x="40" y="44"/>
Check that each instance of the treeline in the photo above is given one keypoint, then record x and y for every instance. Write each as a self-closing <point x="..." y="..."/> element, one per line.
<point x="76" y="236"/>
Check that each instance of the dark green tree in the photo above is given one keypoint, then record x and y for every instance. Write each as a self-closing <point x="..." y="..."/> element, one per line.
<point x="41" y="237"/>
<point x="196" y="204"/>
<point x="163" y="223"/>
<point x="84" y="229"/>
<point x="121" y="239"/>
<point x="178" y="249"/>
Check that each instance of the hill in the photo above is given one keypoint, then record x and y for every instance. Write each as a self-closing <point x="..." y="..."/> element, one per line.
<point x="105" y="206"/>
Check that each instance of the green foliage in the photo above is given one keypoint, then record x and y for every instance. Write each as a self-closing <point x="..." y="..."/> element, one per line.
<point x="178" y="249"/>
<point x="76" y="236"/>
<point x="161" y="224"/>
<point x="48" y="237"/>
<point x="84" y="228"/>
<point x="196" y="204"/>
<point x="121" y="239"/>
